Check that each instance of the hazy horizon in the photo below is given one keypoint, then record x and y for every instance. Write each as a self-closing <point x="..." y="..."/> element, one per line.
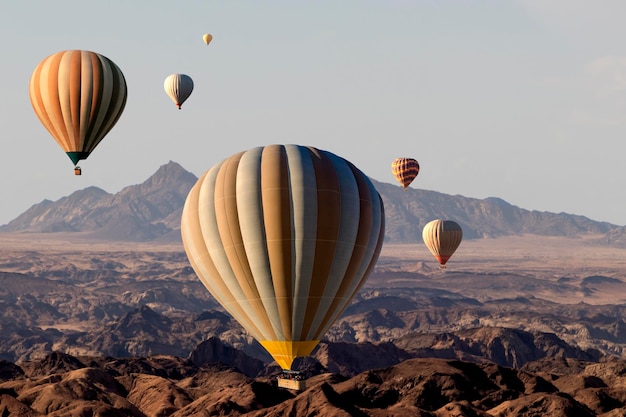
<point x="520" y="100"/>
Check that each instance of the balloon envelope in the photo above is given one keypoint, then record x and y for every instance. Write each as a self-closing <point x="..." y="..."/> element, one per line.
<point x="442" y="237"/>
<point x="283" y="236"/>
<point x="178" y="87"/>
<point x="207" y="38"/>
<point x="78" y="96"/>
<point x="405" y="170"/>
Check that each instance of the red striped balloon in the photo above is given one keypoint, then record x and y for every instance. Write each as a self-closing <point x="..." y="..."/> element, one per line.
<point x="405" y="170"/>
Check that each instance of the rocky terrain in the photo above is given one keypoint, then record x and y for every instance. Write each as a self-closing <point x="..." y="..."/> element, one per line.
<point x="101" y="314"/>
<point x="159" y="385"/>
<point x="519" y="326"/>
<point x="129" y="299"/>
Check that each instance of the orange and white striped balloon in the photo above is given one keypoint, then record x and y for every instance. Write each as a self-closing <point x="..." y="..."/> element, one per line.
<point x="78" y="96"/>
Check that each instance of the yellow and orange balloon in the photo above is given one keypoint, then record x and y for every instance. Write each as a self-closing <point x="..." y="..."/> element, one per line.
<point x="442" y="238"/>
<point x="405" y="170"/>
<point x="78" y="96"/>
<point x="283" y="236"/>
<point x="207" y="38"/>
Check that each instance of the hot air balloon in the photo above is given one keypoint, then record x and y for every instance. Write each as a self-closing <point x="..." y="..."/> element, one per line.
<point x="178" y="87"/>
<point x="78" y="96"/>
<point x="405" y="170"/>
<point x="283" y="236"/>
<point x="442" y="237"/>
<point x="207" y="38"/>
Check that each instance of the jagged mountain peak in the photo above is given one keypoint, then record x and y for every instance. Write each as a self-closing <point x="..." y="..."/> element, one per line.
<point x="139" y="212"/>
<point x="171" y="177"/>
<point x="168" y="175"/>
<point x="171" y="170"/>
<point x="86" y="195"/>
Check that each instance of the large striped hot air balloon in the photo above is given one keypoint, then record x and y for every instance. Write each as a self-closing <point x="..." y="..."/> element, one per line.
<point x="78" y="97"/>
<point x="283" y="236"/>
<point x="405" y="170"/>
<point x="442" y="238"/>
<point x="178" y="87"/>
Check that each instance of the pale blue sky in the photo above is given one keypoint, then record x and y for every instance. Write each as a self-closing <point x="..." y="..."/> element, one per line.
<point x="522" y="100"/>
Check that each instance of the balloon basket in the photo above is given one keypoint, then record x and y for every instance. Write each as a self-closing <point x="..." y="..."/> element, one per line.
<point x="77" y="171"/>
<point x="292" y="380"/>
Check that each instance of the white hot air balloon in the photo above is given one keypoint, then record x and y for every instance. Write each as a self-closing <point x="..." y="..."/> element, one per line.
<point x="178" y="87"/>
<point x="442" y="238"/>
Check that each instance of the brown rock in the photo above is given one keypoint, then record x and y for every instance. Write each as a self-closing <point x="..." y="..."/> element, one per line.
<point x="541" y="404"/>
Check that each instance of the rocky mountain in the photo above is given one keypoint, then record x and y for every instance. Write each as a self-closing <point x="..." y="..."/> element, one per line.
<point x="159" y="385"/>
<point x="151" y="211"/>
<point x="407" y="212"/>
<point x="144" y="212"/>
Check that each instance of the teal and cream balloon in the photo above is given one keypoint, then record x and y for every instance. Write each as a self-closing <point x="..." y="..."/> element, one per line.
<point x="283" y="236"/>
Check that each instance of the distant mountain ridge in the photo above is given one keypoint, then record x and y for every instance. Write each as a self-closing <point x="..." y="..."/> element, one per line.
<point x="151" y="211"/>
<point x="407" y="212"/>
<point x="144" y="212"/>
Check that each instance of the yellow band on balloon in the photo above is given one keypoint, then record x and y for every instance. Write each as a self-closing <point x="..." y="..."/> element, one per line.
<point x="284" y="352"/>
